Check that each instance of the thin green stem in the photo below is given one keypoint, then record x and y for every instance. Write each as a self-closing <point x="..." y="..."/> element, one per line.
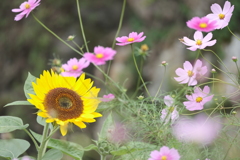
<point x="81" y="25"/>
<point x="43" y="145"/>
<point x="80" y="48"/>
<point x="55" y="34"/>
<point x="120" y="23"/>
<point x="238" y="72"/>
<point x="139" y="74"/>
<point x="231" y="144"/>
<point x="33" y="139"/>
<point x="138" y="81"/>
<point x="233" y="33"/>
<point x="159" y="88"/>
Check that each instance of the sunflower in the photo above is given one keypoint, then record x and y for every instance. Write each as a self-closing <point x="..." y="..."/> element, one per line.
<point x="65" y="100"/>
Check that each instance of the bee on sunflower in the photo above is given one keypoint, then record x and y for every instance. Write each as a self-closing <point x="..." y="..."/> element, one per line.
<point x="65" y="100"/>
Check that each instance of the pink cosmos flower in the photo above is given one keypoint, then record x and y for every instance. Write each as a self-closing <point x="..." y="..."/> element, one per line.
<point x="108" y="97"/>
<point x="198" y="99"/>
<point x="74" y="67"/>
<point x="118" y="133"/>
<point x="205" y="159"/>
<point x="165" y="154"/>
<point x="222" y="16"/>
<point x="132" y="38"/>
<point x="170" y="112"/>
<point x="23" y="158"/>
<point x="25" y="8"/>
<point x="190" y="74"/>
<point x="201" y="129"/>
<point x="100" y="55"/>
<point x="202" y="24"/>
<point x="199" y="41"/>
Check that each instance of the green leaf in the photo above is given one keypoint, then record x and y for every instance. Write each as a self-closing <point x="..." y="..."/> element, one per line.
<point x="53" y="154"/>
<point x="138" y="150"/>
<point x="108" y="123"/>
<point x="28" y="88"/>
<point x="13" y="148"/>
<point x="16" y="103"/>
<point x="91" y="147"/>
<point x="9" y="124"/>
<point x="72" y="149"/>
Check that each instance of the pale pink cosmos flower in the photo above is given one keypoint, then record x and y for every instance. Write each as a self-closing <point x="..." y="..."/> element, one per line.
<point x="198" y="99"/>
<point x="222" y="16"/>
<point x="133" y="37"/>
<point x="202" y="24"/>
<point x="170" y="112"/>
<point x="199" y="41"/>
<point x="201" y="129"/>
<point x="205" y="159"/>
<point x="108" y="97"/>
<point x="118" y="133"/>
<point x="165" y="154"/>
<point x="25" y="8"/>
<point x="190" y="74"/>
<point x="23" y="158"/>
<point x="74" y="67"/>
<point x="100" y="55"/>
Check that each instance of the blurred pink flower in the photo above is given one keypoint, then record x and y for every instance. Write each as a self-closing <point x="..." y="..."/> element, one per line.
<point x="165" y="154"/>
<point x="202" y="24"/>
<point x="170" y="112"/>
<point x="108" y="97"/>
<point x="201" y="129"/>
<point x="205" y="159"/>
<point x="74" y="67"/>
<point x="118" y="133"/>
<point x="198" y="99"/>
<point x="222" y="16"/>
<point x="199" y="41"/>
<point x="190" y="74"/>
<point x="100" y="56"/>
<point x="25" y="9"/>
<point x="23" y="158"/>
<point x="132" y="38"/>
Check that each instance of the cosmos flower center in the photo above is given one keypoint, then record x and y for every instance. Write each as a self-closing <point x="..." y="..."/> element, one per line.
<point x="99" y="55"/>
<point x="190" y="73"/>
<point x="221" y="16"/>
<point x="130" y="39"/>
<point x="63" y="103"/>
<point x="164" y="158"/>
<point x="27" y="6"/>
<point x="198" y="42"/>
<point x="75" y="67"/>
<point x="199" y="99"/>
<point x="203" y="25"/>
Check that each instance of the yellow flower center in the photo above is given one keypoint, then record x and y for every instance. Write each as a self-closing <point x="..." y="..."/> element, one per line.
<point x="190" y="73"/>
<point x="130" y="39"/>
<point x="198" y="42"/>
<point x="221" y="16"/>
<point x="164" y="158"/>
<point x="99" y="55"/>
<point x="203" y="25"/>
<point x="27" y="6"/>
<point x="74" y="67"/>
<point x="199" y="99"/>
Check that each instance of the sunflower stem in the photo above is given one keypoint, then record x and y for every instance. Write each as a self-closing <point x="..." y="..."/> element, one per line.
<point x="43" y="145"/>
<point x="33" y="139"/>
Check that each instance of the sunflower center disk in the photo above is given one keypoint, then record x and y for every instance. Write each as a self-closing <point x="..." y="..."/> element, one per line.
<point x="63" y="103"/>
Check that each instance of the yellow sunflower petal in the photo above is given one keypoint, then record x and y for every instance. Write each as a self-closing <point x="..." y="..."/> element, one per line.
<point x="63" y="128"/>
<point x="97" y="114"/>
<point x="50" y="120"/>
<point x="80" y="124"/>
<point x="43" y="114"/>
<point x="89" y="120"/>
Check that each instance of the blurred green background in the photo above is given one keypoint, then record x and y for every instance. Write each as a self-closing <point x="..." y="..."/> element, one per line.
<point x="25" y="46"/>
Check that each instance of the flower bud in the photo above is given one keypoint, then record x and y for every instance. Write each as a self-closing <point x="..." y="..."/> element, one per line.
<point x="164" y="63"/>
<point x="213" y="71"/>
<point x="70" y="38"/>
<point x="234" y="59"/>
